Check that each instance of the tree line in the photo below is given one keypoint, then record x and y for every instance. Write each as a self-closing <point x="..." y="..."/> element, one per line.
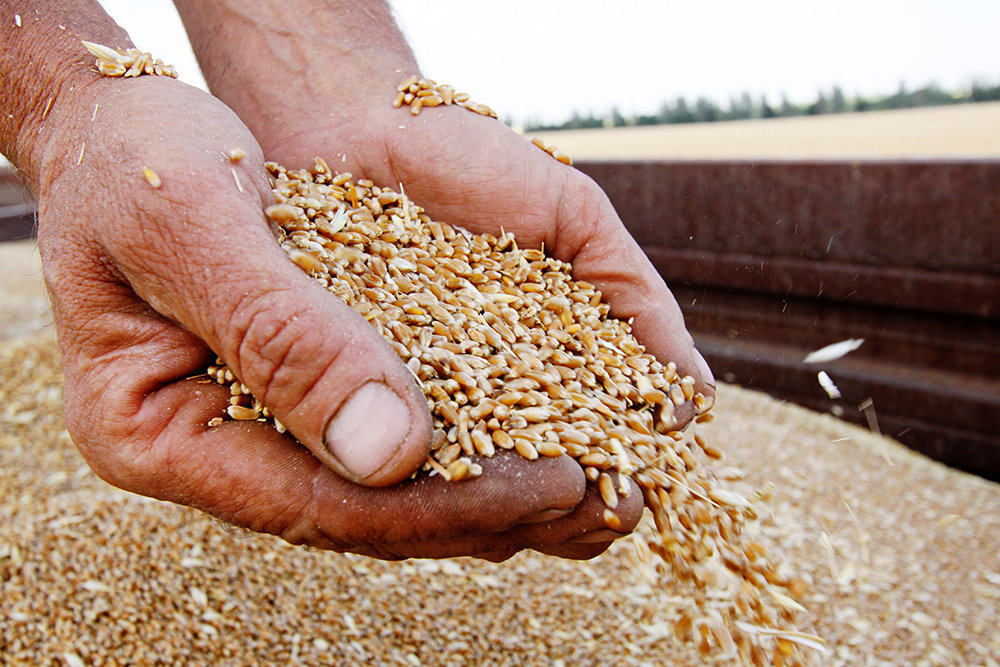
<point x="745" y="106"/>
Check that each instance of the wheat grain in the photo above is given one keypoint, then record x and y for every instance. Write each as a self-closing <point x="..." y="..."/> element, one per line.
<point x="127" y="62"/>
<point x="513" y="353"/>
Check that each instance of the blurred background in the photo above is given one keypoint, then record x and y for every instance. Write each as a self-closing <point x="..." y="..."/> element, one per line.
<point x="541" y="63"/>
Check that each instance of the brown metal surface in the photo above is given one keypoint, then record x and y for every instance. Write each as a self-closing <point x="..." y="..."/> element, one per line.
<point x="911" y="214"/>
<point x="17" y="211"/>
<point x="770" y="260"/>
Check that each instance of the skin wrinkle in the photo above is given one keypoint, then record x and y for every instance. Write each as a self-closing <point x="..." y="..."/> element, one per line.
<point x="289" y="520"/>
<point x="158" y="469"/>
<point x="260" y="347"/>
<point x="167" y="248"/>
<point x="131" y="394"/>
<point x="305" y="519"/>
<point x="257" y="96"/>
<point x="304" y="377"/>
<point x="234" y="336"/>
<point x="32" y="139"/>
<point x="577" y="227"/>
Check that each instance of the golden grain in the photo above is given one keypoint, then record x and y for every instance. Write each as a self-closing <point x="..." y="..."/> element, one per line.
<point x="512" y="353"/>
<point x="127" y="62"/>
<point x="612" y="521"/>
<point x="607" y="488"/>
<point x="418" y="93"/>
<point x="552" y="150"/>
<point x="151" y="176"/>
<point x="242" y="413"/>
<point x="525" y="448"/>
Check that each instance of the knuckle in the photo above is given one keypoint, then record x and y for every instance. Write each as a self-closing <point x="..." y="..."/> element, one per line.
<point x="121" y="462"/>
<point x="273" y="353"/>
<point x="118" y="450"/>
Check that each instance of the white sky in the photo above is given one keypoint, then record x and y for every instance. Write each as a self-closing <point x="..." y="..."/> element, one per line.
<point x="539" y="60"/>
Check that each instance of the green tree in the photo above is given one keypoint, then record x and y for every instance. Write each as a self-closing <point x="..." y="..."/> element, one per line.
<point x="740" y="107"/>
<point x="706" y="111"/>
<point x="838" y="103"/>
<point x="820" y="106"/>
<point x="766" y="110"/>
<point x="789" y="109"/>
<point x="681" y="113"/>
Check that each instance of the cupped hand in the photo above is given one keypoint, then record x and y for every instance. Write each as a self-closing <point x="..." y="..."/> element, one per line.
<point x="473" y="171"/>
<point x="158" y="257"/>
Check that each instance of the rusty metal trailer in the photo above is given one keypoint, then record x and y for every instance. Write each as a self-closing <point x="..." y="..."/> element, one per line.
<point x="772" y="259"/>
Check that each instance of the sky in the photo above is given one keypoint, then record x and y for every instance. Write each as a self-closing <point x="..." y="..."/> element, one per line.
<point x="541" y="60"/>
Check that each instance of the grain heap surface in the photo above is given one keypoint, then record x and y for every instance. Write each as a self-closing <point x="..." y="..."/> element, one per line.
<point x="901" y="556"/>
<point x="513" y="353"/>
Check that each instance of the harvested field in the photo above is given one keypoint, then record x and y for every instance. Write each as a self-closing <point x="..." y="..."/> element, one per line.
<point x="901" y="552"/>
<point x="962" y="131"/>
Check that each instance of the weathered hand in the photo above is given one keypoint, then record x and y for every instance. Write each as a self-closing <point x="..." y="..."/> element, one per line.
<point x="149" y="282"/>
<point x="320" y="83"/>
<point x="471" y="170"/>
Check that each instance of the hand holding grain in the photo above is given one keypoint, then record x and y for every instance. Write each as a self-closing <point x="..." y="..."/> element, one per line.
<point x="472" y="171"/>
<point x="156" y="249"/>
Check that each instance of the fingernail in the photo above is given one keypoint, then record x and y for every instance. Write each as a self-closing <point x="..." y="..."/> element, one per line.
<point x="547" y="515"/>
<point x="368" y="429"/>
<point x="604" y="535"/>
<point x="703" y="369"/>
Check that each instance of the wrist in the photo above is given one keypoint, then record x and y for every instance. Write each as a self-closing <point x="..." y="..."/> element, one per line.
<point x="47" y="74"/>
<point x="313" y="64"/>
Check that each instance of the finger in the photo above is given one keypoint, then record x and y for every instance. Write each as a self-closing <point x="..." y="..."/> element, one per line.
<point x="249" y="475"/>
<point x="474" y="516"/>
<point x="201" y="252"/>
<point x="587" y="531"/>
<point x="579" y="530"/>
<point x="590" y="234"/>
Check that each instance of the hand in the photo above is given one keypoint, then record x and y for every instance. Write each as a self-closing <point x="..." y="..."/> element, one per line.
<point x="471" y="170"/>
<point x="323" y="85"/>
<point x="149" y="282"/>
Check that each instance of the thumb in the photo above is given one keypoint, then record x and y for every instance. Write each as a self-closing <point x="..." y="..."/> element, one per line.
<point x="318" y="366"/>
<point x="326" y="374"/>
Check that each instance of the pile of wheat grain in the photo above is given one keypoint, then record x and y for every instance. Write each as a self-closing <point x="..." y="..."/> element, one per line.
<point x="901" y="556"/>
